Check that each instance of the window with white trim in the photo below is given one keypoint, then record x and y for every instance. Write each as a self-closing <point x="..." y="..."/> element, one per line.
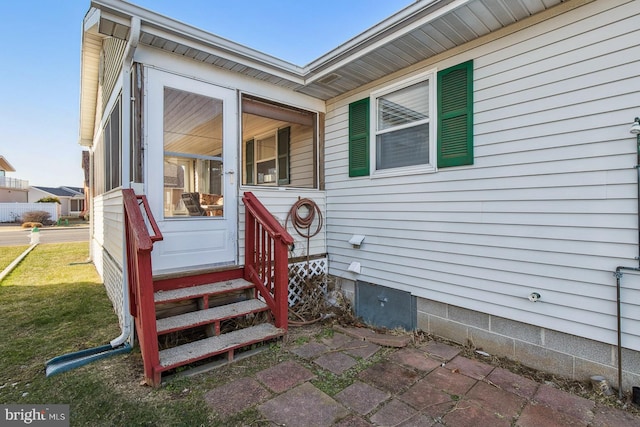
<point x="402" y="119"/>
<point x="402" y="125"/>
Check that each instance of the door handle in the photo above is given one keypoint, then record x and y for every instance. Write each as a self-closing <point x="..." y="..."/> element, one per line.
<point x="230" y="173"/>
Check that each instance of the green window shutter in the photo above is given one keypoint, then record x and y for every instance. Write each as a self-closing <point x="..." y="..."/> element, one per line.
<point x="283" y="155"/>
<point x="455" y="115"/>
<point x="248" y="161"/>
<point x="359" y="138"/>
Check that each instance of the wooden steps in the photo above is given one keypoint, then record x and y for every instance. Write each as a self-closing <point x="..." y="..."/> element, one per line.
<point x="225" y="343"/>
<point x="209" y="316"/>
<point x="228" y="302"/>
<point x="171" y="311"/>
<point x="201" y="291"/>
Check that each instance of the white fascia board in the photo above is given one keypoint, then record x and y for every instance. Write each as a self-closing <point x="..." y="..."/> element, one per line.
<point x="223" y="52"/>
<point x="172" y="29"/>
<point x="86" y="142"/>
<point x="88" y="92"/>
<point x="91" y="20"/>
<point x="357" y="47"/>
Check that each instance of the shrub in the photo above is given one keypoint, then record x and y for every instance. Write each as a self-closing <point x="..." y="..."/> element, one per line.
<point x="49" y="200"/>
<point x="31" y="224"/>
<point x="36" y="216"/>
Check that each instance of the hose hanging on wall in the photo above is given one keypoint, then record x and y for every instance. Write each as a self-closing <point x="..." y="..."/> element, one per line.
<point x="303" y="214"/>
<point x="303" y="222"/>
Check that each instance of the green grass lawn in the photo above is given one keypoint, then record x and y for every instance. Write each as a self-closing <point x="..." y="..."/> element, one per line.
<point x="53" y="303"/>
<point x="8" y="254"/>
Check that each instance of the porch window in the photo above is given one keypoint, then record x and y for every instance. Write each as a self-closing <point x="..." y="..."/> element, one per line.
<point x="268" y="158"/>
<point x="77" y="205"/>
<point x="265" y="155"/>
<point x="280" y="145"/>
<point x="113" y="149"/>
<point x="107" y="174"/>
<point x="192" y="155"/>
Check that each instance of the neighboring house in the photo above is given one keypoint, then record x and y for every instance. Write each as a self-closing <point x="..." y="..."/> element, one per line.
<point x="11" y="189"/>
<point x="14" y="197"/>
<point x="72" y="201"/>
<point x="479" y="148"/>
<point x="85" y="189"/>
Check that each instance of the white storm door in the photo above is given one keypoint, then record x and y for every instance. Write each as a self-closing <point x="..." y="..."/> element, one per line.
<point x="191" y="137"/>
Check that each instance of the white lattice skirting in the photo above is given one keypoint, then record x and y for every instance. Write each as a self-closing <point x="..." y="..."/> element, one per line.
<point x="304" y="282"/>
<point x="307" y="280"/>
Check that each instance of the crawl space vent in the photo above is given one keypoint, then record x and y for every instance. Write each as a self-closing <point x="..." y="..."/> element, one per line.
<point x="385" y="307"/>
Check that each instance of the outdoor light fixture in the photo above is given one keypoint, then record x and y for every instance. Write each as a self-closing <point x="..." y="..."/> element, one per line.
<point x="635" y="128"/>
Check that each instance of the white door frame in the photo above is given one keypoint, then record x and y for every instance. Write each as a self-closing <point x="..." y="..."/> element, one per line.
<point x="190" y="242"/>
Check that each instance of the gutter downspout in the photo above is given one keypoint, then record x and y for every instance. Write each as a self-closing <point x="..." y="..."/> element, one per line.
<point x="618" y="274"/>
<point x="119" y="344"/>
<point x="127" y="62"/>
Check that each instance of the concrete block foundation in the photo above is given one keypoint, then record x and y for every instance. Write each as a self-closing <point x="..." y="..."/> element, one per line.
<point x="544" y="349"/>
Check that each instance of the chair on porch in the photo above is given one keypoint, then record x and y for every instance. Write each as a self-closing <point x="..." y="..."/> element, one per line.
<point x="192" y="203"/>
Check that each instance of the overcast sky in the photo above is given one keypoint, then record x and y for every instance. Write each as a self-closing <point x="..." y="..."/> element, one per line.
<point x="40" y="62"/>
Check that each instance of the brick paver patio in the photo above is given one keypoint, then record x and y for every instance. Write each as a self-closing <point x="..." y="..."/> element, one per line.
<point x="427" y="385"/>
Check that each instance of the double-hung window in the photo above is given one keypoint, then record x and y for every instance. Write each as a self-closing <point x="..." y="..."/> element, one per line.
<point x="417" y="125"/>
<point x="402" y="126"/>
<point x="267" y="158"/>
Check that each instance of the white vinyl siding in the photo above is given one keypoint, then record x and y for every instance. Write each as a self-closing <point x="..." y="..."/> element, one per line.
<point x="107" y="243"/>
<point x="279" y="203"/>
<point x="108" y="231"/>
<point x="301" y="156"/>
<point x="550" y="203"/>
<point x="112" y="54"/>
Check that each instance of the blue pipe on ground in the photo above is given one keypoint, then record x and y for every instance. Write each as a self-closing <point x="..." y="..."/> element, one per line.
<point x="70" y="361"/>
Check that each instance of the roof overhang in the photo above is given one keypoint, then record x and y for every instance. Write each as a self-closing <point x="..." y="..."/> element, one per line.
<point x="422" y="30"/>
<point x="89" y="71"/>
<point x="5" y="165"/>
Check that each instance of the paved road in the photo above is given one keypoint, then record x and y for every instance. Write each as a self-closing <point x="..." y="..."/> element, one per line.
<point x="16" y="236"/>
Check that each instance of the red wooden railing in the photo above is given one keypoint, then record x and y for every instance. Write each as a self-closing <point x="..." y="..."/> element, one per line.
<point x="266" y="257"/>
<point x="266" y="266"/>
<point x="139" y="274"/>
